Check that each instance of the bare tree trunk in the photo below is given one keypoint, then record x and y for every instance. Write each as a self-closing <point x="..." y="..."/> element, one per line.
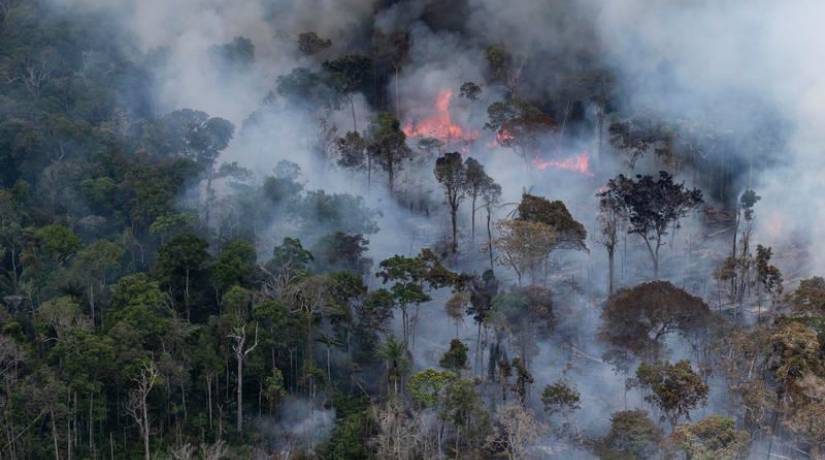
<point x="611" y="253"/>
<point x="490" y="239"/>
<point x="454" y="222"/>
<point x="239" y="422"/>
<point x="209" y="397"/>
<point x="54" y="435"/>
<point x="239" y="335"/>
<point x="473" y="220"/>
<point x="352" y="107"/>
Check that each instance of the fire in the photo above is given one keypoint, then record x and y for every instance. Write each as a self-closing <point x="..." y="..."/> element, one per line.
<point x="504" y="137"/>
<point x="440" y="125"/>
<point x="580" y="164"/>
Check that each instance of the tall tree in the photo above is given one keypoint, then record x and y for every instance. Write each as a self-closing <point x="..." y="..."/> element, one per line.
<point x="523" y="245"/>
<point x="451" y="173"/>
<point x="350" y="73"/>
<point x="652" y="207"/>
<point x="490" y="195"/>
<point x="675" y="388"/>
<point x="476" y="181"/>
<point x="388" y="145"/>
<point x="241" y="350"/>
<point x="639" y="319"/>
<point x="609" y="221"/>
<point x="179" y="260"/>
<point x="138" y="404"/>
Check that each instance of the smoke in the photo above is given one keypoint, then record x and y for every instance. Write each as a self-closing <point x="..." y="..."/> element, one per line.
<point x="745" y="68"/>
<point x="301" y="426"/>
<point x="746" y="72"/>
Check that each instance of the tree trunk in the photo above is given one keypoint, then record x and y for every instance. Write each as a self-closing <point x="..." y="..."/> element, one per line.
<point x="145" y="409"/>
<point x="92" y="302"/>
<point x="490" y="240"/>
<point x="391" y="175"/>
<point x="54" y="435"/>
<point x="186" y="295"/>
<point x="454" y="221"/>
<point x="239" y="422"/>
<point x="611" y="256"/>
<point x="352" y="107"/>
<point x="209" y="398"/>
<point x="473" y="220"/>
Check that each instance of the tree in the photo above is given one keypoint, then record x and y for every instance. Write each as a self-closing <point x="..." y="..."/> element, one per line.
<point x="490" y="195"/>
<point x="632" y="435"/>
<point x="289" y="263"/>
<point x="241" y="350"/>
<point x="426" y="387"/>
<point x="409" y="277"/>
<point x="609" y="221"/>
<point x="57" y="242"/>
<point x="462" y="408"/>
<point x="651" y="206"/>
<point x="499" y="62"/>
<point x="470" y="90"/>
<point x="675" y="388"/>
<point x="768" y="276"/>
<point x="523" y="245"/>
<point x="476" y="182"/>
<point x="560" y="397"/>
<point x="93" y="264"/>
<point x="713" y="437"/>
<point x="451" y="173"/>
<point x="239" y="53"/>
<point x="340" y="251"/>
<point x="60" y="315"/>
<point x="387" y="144"/>
<point x="809" y="297"/>
<point x="180" y="259"/>
<point x="200" y="138"/>
<point x="397" y="362"/>
<point x="235" y="264"/>
<point x="310" y="43"/>
<point x="570" y="233"/>
<point x="519" y="125"/>
<point x="349" y="74"/>
<point x="456" y="306"/>
<point x="138" y="405"/>
<point x="352" y="152"/>
<point x="745" y="212"/>
<point x="517" y="429"/>
<point x="454" y="359"/>
<point x="638" y="319"/>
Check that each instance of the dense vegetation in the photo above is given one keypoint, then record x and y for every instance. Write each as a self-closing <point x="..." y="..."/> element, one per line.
<point x="146" y="311"/>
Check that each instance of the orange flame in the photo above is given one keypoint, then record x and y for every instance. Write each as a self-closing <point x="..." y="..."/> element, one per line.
<point x="440" y="125"/>
<point x="580" y="164"/>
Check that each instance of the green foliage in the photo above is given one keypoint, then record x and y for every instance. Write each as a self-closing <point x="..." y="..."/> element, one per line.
<point x="713" y="437"/>
<point x="57" y="242"/>
<point x="454" y="359"/>
<point x="387" y="144"/>
<point x="675" y="388"/>
<point x="632" y="436"/>
<point x="570" y="233"/>
<point x="560" y="397"/>
<point x="235" y="264"/>
<point x="426" y="387"/>
<point x="310" y="43"/>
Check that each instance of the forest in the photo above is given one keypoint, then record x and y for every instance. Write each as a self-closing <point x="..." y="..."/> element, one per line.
<point x="411" y="229"/>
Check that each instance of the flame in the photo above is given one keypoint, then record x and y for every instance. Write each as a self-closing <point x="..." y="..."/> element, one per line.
<point x="504" y="137"/>
<point x="440" y="125"/>
<point x="580" y="164"/>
